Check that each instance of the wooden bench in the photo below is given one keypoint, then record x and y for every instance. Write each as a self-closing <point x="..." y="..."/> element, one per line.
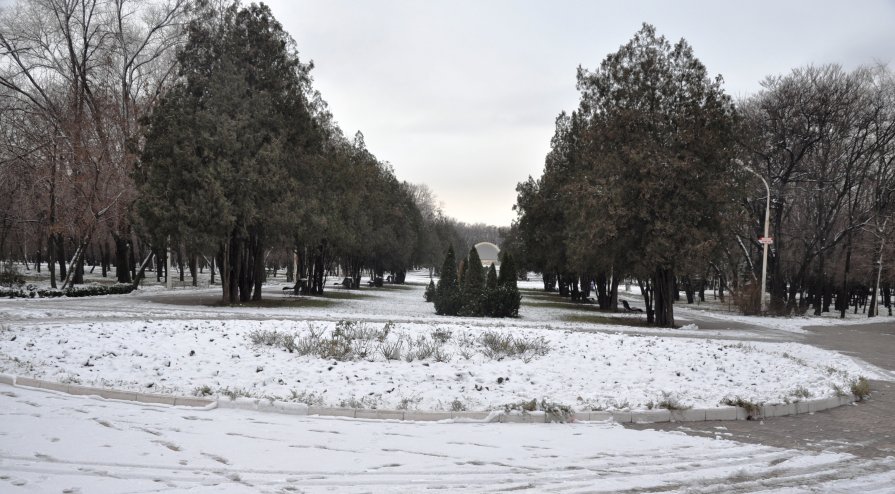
<point x="628" y="308"/>
<point x="345" y="283"/>
<point x="290" y="290"/>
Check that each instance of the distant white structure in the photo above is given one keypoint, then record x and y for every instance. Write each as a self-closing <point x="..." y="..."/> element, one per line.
<point x="488" y="253"/>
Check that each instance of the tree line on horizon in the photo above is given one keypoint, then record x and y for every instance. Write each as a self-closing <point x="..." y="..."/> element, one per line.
<point x="653" y="179"/>
<point x="133" y="127"/>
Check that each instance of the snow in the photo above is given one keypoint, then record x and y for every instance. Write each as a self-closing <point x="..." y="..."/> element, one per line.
<point x="152" y="343"/>
<point x="60" y="443"/>
<point x="53" y="442"/>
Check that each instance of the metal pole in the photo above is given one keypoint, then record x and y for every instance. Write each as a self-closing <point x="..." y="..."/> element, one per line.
<point x="764" y="256"/>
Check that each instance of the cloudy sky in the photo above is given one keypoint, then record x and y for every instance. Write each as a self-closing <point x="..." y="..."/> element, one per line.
<point x="462" y="95"/>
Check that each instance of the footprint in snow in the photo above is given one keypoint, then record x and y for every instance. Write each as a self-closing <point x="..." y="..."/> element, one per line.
<point x="219" y="459"/>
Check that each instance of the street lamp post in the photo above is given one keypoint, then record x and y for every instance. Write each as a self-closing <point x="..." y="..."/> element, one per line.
<point x="765" y="240"/>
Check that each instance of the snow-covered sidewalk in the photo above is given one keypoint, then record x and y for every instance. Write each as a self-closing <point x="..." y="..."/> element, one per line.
<point x="62" y="443"/>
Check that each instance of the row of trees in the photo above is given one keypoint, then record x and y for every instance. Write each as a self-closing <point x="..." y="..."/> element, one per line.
<point x="468" y="289"/>
<point x="130" y="128"/>
<point x="649" y="179"/>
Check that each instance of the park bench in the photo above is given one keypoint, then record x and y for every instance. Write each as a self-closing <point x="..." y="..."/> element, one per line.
<point x="290" y="290"/>
<point x="345" y="283"/>
<point x="628" y="308"/>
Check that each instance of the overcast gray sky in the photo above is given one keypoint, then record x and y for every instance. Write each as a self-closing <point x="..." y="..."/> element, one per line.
<point x="462" y="95"/>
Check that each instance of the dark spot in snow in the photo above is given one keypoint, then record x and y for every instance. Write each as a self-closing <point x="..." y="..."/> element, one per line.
<point x="329" y="368"/>
<point x="192" y="352"/>
<point x="259" y="369"/>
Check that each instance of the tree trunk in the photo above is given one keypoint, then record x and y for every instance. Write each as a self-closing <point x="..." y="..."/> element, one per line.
<point x="104" y="259"/>
<point x="51" y="260"/>
<point x="122" y="259"/>
<point x="258" y="258"/>
<point x="60" y="257"/>
<point x="142" y="271"/>
<point x="78" y="278"/>
<point x="874" y="297"/>
<point x="848" y="250"/>
<point x="664" y="290"/>
<point x="194" y="267"/>
<point x="646" y="290"/>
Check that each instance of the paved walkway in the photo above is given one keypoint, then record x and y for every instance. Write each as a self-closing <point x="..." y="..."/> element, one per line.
<point x="866" y="429"/>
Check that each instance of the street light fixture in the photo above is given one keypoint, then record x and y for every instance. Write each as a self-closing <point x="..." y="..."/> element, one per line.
<point x="766" y="241"/>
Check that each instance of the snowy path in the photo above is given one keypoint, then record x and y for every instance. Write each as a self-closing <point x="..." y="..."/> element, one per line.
<point x="59" y="443"/>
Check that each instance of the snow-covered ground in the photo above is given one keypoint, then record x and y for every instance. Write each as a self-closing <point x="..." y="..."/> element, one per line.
<point x="154" y="341"/>
<point x="181" y="342"/>
<point x="61" y="443"/>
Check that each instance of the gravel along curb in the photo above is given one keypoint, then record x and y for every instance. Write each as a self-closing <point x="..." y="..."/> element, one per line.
<point x="265" y="405"/>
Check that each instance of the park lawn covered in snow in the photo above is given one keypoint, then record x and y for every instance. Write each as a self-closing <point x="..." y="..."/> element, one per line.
<point x="422" y="362"/>
<point x="60" y="443"/>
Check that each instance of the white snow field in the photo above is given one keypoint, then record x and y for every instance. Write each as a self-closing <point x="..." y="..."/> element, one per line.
<point x="180" y="342"/>
<point x="397" y="354"/>
<point x="60" y="443"/>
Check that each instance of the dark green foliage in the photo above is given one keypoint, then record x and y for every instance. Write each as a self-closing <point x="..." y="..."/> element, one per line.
<point x="11" y="277"/>
<point x="508" y="275"/>
<point x="447" y="293"/>
<point x="476" y="295"/>
<point x="472" y="290"/>
<point x="31" y="291"/>
<point x="430" y="291"/>
<point x="634" y="183"/>
<point x="226" y="144"/>
<point x="490" y="300"/>
<point x="508" y="298"/>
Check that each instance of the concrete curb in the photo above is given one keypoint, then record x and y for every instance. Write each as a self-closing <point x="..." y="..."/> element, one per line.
<point x="109" y="393"/>
<point x="537" y="417"/>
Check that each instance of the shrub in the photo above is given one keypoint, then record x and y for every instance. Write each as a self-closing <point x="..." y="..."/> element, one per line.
<point x="499" y="346"/>
<point x="474" y="296"/>
<point x="670" y="402"/>
<point x="860" y="387"/>
<point x="430" y="291"/>
<point x="265" y="337"/>
<point x="753" y="410"/>
<point x="748" y="299"/>
<point x="472" y="291"/>
<point x="447" y="292"/>
<point x="11" y="277"/>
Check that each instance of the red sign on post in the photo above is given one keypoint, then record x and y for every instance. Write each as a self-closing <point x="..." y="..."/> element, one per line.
<point x="765" y="240"/>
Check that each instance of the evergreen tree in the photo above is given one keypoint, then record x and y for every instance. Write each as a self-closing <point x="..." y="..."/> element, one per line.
<point x="508" y="275"/>
<point x="508" y="296"/>
<point x="659" y="140"/>
<point x="491" y="296"/>
<point x="447" y="293"/>
<point x="473" y="286"/>
<point x="224" y="148"/>
<point x="430" y="291"/>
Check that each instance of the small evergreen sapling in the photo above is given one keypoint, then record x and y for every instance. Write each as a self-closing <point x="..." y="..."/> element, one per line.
<point x="447" y="292"/>
<point x="473" y="287"/>
<point x="430" y="291"/>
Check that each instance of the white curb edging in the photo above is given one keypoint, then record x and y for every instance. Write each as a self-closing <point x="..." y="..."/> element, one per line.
<point x="538" y="417"/>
